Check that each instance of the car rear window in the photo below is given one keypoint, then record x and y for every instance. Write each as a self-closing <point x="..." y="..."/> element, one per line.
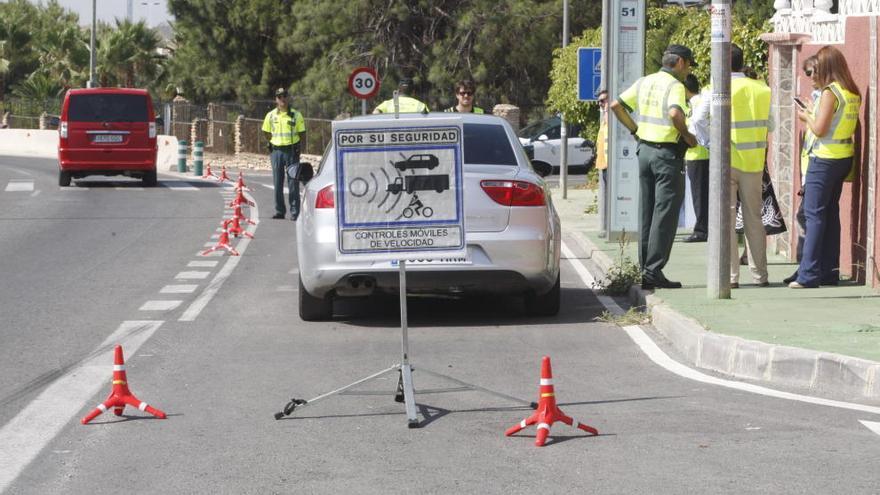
<point x="107" y="108"/>
<point x="487" y="144"/>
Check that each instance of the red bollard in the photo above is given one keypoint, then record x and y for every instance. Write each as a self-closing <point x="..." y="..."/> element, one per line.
<point x="223" y="243"/>
<point x="120" y="395"/>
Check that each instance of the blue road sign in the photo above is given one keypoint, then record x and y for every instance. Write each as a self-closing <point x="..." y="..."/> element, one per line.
<point x="589" y="73"/>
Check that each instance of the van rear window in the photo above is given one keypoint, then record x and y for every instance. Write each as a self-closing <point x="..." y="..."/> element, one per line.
<point x="487" y="144"/>
<point x="107" y="108"/>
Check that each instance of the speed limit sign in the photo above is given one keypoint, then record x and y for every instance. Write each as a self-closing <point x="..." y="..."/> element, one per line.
<point x="363" y="83"/>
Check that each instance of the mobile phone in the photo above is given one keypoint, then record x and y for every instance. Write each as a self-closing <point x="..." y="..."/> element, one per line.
<point x="799" y="102"/>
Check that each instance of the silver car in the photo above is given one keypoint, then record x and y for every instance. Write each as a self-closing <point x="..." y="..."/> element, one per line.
<point x="513" y="232"/>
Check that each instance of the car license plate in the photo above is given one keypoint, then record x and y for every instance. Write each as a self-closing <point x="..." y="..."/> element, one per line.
<point x="452" y="260"/>
<point x="107" y="138"/>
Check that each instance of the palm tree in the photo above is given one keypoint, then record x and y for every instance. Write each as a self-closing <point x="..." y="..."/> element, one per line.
<point x="128" y="55"/>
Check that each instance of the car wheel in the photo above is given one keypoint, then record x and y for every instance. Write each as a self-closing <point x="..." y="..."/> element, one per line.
<point x="149" y="179"/>
<point x="546" y="304"/>
<point x="63" y="178"/>
<point x="313" y="308"/>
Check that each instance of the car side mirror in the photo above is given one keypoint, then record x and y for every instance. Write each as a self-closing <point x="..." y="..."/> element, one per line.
<point x="543" y="169"/>
<point x="543" y="137"/>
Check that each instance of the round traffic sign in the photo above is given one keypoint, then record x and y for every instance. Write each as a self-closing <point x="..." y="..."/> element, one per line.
<point x="363" y="83"/>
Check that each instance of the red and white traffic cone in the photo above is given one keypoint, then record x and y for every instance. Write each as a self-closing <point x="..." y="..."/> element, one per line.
<point x="120" y="395"/>
<point x="223" y="177"/>
<point x="223" y="242"/>
<point x="240" y="200"/>
<point x="239" y="215"/>
<point x="235" y="227"/>
<point x="208" y="174"/>
<point x="240" y="186"/>
<point x="547" y="412"/>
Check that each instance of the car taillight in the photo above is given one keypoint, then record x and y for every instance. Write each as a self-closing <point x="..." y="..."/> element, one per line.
<point x="63" y="130"/>
<point x="152" y="130"/>
<point x="325" y="198"/>
<point x="514" y="192"/>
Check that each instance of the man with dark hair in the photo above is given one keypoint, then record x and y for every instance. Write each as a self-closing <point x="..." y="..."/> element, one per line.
<point x="464" y="93"/>
<point x="659" y="102"/>
<point x="285" y="128"/>
<point x="696" y="159"/>
<point x="406" y="103"/>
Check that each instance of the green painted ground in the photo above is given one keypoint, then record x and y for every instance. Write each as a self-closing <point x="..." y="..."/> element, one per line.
<point x="843" y="319"/>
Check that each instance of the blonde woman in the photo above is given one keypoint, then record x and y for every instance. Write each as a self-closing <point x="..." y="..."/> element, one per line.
<point x="833" y="123"/>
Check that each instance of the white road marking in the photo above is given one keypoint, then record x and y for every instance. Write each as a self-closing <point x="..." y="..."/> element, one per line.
<point x="196" y="307"/>
<point x="176" y="185"/>
<point x="202" y="264"/>
<point x="210" y="244"/>
<point x="871" y="425"/>
<point x="129" y="188"/>
<point x="193" y="275"/>
<point x="160" y="305"/>
<point x="272" y="187"/>
<point x="20" y="186"/>
<point x="36" y="193"/>
<point x="660" y="358"/>
<point x="40" y="421"/>
<point x="178" y="289"/>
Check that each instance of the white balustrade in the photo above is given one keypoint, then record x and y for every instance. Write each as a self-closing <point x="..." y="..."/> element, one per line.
<point x="814" y="17"/>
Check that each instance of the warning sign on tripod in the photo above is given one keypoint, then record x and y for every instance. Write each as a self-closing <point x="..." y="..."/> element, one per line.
<point x="399" y="188"/>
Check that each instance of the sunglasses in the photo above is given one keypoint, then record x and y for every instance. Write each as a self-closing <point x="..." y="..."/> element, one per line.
<point x="809" y="72"/>
<point x="466" y="93"/>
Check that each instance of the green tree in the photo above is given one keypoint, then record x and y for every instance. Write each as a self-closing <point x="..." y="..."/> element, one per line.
<point x="127" y="55"/>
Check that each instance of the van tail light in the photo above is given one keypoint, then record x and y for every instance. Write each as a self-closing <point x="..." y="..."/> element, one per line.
<point x="63" y="130"/>
<point x="152" y="130"/>
<point x="514" y="192"/>
<point x="325" y="198"/>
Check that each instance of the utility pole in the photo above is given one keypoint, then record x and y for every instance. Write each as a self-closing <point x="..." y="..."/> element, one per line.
<point x="92" y="56"/>
<point x="563" y="128"/>
<point x="720" y="213"/>
<point x="604" y="84"/>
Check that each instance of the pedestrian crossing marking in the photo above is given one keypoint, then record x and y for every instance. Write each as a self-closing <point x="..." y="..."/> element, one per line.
<point x="20" y="186"/>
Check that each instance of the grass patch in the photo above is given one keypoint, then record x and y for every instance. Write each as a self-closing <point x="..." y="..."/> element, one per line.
<point x="633" y="316"/>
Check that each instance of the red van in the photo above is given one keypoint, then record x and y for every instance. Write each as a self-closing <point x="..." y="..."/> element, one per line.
<point x="107" y="131"/>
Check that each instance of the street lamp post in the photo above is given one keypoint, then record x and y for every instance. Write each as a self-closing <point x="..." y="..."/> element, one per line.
<point x="92" y="56"/>
<point x="563" y="128"/>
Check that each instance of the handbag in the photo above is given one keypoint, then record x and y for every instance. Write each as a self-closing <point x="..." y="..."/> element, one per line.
<point x="771" y="216"/>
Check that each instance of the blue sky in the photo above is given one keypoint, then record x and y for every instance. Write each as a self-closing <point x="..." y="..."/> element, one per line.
<point x="155" y="12"/>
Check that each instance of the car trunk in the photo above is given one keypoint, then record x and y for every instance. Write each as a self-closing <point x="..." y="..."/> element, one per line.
<point x="108" y="123"/>
<point x="482" y="214"/>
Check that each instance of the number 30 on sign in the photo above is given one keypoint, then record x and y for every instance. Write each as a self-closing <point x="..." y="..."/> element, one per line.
<point x="363" y="83"/>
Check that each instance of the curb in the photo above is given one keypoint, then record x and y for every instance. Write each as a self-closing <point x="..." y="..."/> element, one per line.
<point x="749" y="359"/>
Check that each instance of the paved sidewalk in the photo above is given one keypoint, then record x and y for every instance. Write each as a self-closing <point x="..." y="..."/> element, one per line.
<point x="825" y="339"/>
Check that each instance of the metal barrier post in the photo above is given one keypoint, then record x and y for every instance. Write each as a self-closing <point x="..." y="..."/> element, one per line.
<point x="182" y="147"/>
<point x="198" y="157"/>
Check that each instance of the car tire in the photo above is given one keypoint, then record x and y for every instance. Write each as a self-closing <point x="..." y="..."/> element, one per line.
<point x="546" y="304"/>
<point x="313" y="308"/>
<point x="150" y="179"/>
<point x="63" y="178"/>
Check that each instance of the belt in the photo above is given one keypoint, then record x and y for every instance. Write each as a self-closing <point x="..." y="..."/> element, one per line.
<point x="286" y="147"/>
<point x="671" y="146"/>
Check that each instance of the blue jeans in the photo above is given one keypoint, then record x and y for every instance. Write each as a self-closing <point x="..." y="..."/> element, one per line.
<point x="281" y="159"/>
<point x="821" y="257"/>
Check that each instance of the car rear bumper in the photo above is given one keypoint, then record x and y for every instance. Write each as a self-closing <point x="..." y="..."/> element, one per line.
<point x="492" y="267"/>
<point x="114" y="160"/>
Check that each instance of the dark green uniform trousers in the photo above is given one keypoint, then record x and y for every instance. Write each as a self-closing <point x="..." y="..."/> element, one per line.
<point x="661" y="192"/>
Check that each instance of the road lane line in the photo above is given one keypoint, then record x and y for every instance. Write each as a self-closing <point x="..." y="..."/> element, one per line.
<point x="179" y="289"/>
<point x="196" y="307"/>
<point x="160" y="305"/>
<point x="202" y="264"/>
<point x="193" y="275"/>
<point x="663" y="360"/>
<point x="871" y="425"/>
<point x="44" y="417"/>
<point x="20" y="186"/>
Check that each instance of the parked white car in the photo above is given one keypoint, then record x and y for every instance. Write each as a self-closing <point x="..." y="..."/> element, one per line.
<point x="543" y="144"/>
<point x="513" y="231"/>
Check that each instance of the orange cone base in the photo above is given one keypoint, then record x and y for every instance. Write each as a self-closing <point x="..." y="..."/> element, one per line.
<point x="118" y="403"/>
<point x="236" y="230"/>
<point x="208" y="174"/>
<point x="223" y="177"/>
<point x="240" y="200"/>
<point x="544" y="417"/>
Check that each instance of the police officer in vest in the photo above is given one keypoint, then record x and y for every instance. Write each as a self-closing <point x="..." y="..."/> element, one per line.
<point x="749" y="125"/>
<point x="407" y="104"/>
<point x="464" y="93"/>
<point x="696" y="160"/>
<point x="660" y="105"/>
<point x="285" y="129"/>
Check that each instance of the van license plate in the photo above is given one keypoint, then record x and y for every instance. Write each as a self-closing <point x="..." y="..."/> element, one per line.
<point x="107" y="138"/>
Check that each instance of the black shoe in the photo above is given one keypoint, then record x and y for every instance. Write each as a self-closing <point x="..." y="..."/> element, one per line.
<point x="763" y="284"/>
<point x="791" y="278"/>
<point x="662" y="284"/>
<point x="293" y="217"/>
<point x="734" y="285"/>
<point x="744" y="260"/>
<point x="278" y="216"/>
<point x="695" y="238"/>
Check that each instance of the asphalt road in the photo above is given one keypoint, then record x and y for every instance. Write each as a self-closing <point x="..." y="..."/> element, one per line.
<point x="81" y="264"/>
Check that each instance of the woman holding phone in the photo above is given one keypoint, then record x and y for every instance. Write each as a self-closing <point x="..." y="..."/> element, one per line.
<point x="832" y="124"/>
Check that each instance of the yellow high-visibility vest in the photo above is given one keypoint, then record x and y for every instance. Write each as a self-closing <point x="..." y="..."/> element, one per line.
<point x="602" y="143"/>
<point x="650" y="98"/>
<point x="406" y="104"/>
<point x="749" y="122"/>
<point x="838" y="141"/>
<point x="697" y="152"/>
<point x="284" y="126"/>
